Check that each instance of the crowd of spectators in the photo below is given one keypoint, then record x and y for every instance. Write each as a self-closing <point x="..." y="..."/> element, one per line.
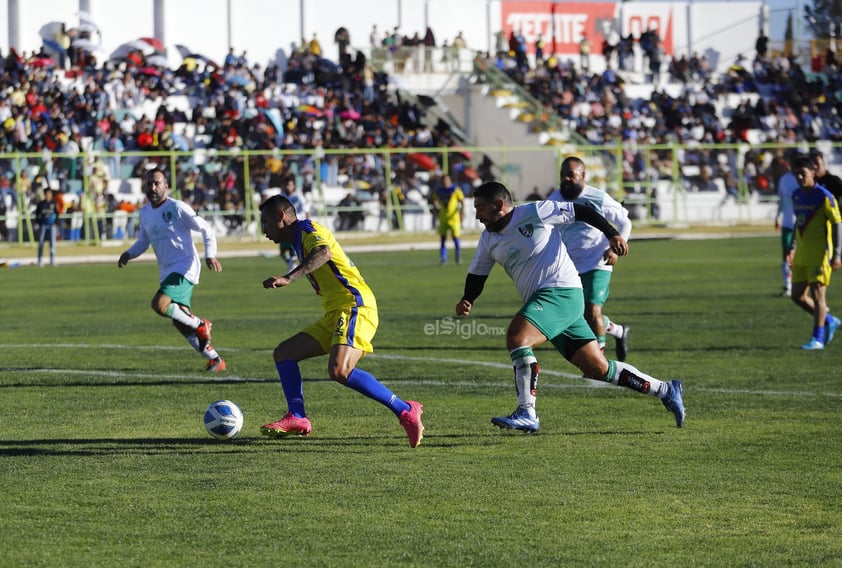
<point x="312" y="103"/>
<point x="777" y="100"/>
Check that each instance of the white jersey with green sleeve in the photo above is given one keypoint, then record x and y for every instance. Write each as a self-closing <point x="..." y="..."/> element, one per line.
<point x="586" y="244"/>
<point x="169" y="229"/>
<point x="530" y="249"/>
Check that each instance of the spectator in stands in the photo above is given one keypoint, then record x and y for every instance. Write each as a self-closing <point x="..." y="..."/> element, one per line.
<point x="761" y="46"/>
<point x="459" y="44"/>
<point x="539" y="51"/>
<point x="829" y="181"/>
<point x="115" y="146"/>
<point x="585" y="53"/>
<point x="314" y="46"/>
<point x="349" y="216"/>
<point x="429" y="45"/>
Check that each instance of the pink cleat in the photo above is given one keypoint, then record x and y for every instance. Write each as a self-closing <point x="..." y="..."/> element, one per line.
<point x="411" y="422"/>
<point x="287" y="426"/>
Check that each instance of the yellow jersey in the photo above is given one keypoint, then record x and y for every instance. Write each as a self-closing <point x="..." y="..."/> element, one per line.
<point x="338" y="281"/>
<point x="815" y="211"/>
<point x="449" y="200"/>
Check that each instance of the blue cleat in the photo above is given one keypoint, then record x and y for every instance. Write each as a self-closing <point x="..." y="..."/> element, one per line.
<point x="832" y="326"/>
<point x="674" y="401"/>
<point x="518" y="420"/>
<point x="813" y="345"/>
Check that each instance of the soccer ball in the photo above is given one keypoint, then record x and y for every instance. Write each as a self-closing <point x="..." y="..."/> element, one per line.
<point x="223" y="419"/>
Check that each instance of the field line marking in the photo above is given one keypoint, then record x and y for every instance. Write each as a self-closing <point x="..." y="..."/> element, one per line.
<point x="583" y="383"/>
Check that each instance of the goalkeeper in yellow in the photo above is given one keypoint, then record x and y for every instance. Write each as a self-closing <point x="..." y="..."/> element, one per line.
<point x="449" y="200"/>
<point x="816" y="250"/>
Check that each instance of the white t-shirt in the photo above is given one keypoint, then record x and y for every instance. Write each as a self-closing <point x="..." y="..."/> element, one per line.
<point x="530" y="249"/>
<point x="168" y="228"/>
<point x="586" y="244"/>
<point x="787" y="184"/>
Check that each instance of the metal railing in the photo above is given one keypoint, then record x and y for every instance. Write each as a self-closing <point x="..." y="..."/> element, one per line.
<point x="398" y="173"/>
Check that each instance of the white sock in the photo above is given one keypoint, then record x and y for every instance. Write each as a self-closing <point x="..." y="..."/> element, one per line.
<point x="181" y="315"/>
<point x="629" y="376"/>
<point x="526" y="378"/>
<point x="208" y="352"/>
<point x="786" y="272"/>
<point x="613" y="329"/>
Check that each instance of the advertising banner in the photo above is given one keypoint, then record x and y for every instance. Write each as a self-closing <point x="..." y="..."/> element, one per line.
<point x="563" y="25"/>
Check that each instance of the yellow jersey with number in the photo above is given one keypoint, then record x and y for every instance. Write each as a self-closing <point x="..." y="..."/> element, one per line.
<point x="338" y="281"/>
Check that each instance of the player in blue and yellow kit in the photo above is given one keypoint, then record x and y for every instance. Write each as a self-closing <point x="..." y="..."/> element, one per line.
<point x="448" y="198"/>
<point x="344" y="332"/>
<point x="817" y="250"/>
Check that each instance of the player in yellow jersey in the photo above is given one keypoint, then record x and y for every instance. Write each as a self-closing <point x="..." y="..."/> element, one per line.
<point x="449" y="200"/>
<point x="344" y="332"/>
<point x="816" y="251"/>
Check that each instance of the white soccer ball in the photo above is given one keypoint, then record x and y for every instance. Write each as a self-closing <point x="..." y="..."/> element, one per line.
<point x="223" y="419"/>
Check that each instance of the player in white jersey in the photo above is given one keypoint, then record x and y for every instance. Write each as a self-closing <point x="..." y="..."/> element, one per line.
<point x="785" y="222"/>
<point x="590" y="251"/>
<point x="524" y="240"/>
<point x="167" y="225"/>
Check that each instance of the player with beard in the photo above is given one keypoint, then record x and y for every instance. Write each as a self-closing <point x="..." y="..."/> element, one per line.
<point x="526" y="242"/>
<point x="167" y="225"/>
<point x="589" y="249"/>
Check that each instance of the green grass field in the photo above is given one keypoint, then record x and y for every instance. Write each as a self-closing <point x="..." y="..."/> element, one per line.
<point x="104" y="460"/>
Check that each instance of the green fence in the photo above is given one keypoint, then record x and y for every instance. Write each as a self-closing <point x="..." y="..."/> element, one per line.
<point x="630" y="173"/>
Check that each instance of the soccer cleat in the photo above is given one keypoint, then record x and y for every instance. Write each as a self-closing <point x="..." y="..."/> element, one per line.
<point x="411" y="422"/>
<point x="832" y="326"/>
<point x="813" y="345"/>
<point x="518" y="420"/>
<point x="674" y="401"/>
<point x="289" y="425"/>
<point x="622" y="344"/>
<point x="216" y="365"/>
<point x="203" y="332"/>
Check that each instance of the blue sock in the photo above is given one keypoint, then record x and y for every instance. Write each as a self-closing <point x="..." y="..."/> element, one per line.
<point x="365" y="383"/>
<point x="443" y="250"/>
<point x="819" y="333"/>
<point x="293" y="387"/>
<point x="458" y="246"/>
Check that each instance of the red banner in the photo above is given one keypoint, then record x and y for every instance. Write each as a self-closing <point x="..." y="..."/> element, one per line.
<point x="563" y="25"/>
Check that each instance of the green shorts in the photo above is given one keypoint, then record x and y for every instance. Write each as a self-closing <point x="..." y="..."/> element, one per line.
<point x="178" y="288"/>
<point x="787" y="235"/>
<point x="558" y="313"/>
<point x="595" y="286"/>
